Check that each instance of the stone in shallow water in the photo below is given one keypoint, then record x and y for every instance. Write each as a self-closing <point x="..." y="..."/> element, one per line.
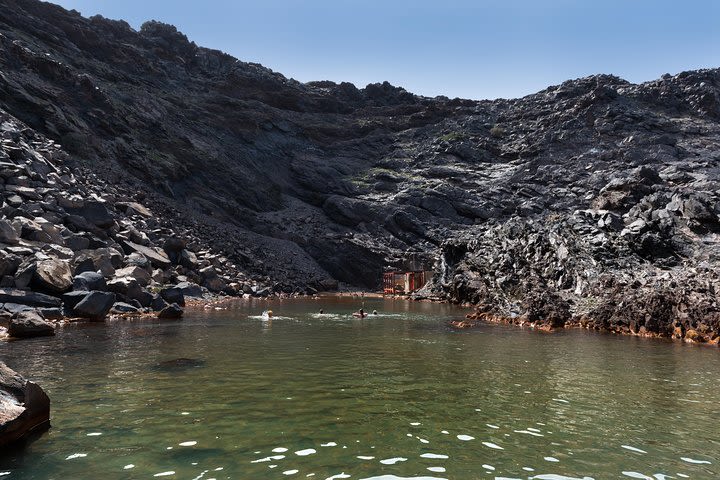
<point x="24" y="407"/>
<point x="30" y="324"/>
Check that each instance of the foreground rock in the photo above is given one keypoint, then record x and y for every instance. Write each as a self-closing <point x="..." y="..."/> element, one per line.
<point x="29" y="324"/>
<point x="24" y="407"/>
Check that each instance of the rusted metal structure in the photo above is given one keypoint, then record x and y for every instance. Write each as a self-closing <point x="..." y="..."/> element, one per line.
<point x="404" y="282"/>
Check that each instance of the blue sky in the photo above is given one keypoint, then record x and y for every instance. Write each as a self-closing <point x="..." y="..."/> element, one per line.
<point x="459" y="48"/>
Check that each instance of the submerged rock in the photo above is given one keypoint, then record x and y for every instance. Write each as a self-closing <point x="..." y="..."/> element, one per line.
<point x="24" y="407"/>
<point x="181" y="364"/>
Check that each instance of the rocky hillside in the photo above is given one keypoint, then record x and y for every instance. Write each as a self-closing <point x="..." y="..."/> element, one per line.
<point x="556" y="205"/>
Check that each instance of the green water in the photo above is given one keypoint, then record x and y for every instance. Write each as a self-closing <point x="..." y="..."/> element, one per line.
<point x="393" y="395"/>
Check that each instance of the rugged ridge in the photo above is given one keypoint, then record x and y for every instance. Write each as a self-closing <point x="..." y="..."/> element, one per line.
<point x="592" y="202"/>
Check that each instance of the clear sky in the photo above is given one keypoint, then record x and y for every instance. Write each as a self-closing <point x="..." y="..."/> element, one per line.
<point x="460" y="48"/>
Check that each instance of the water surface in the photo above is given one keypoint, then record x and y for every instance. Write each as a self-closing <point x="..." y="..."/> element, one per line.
<point x="226" y="394"/>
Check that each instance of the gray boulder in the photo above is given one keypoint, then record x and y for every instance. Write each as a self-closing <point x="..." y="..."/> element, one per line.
<point x="157" y="257"/>
<point x="8" y="234"/>
<point x="89" y="281"/>
<point x="95" y="306"/>
<point x="23" y="297"/>
<point x="190" y="289"/>
<point x="52" y="276"/>
<point x="24" y="407"/>
<point x="29" y="324"/>
<point x="141" y="275"/>
<point x="122" y="307"/>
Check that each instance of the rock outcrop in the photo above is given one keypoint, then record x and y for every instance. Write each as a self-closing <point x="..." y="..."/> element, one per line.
<point x="24" y="407"/>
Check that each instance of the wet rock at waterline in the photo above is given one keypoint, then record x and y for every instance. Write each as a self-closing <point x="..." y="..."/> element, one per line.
<point x="27" y="324"/>
<point x="24" y="407"/>
<point x="172" y="311"/>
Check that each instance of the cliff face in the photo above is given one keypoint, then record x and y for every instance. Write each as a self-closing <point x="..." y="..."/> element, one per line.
<point x="310" y="183"/>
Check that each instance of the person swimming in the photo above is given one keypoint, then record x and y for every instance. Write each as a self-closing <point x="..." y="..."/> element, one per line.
<point x="374" y="312"/>
<point x="267" y="313"/>
<point x="360" y="313"/>
<point x="321" y="311"/>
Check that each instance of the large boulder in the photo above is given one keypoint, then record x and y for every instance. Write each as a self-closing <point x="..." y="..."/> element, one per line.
<point x="89" y="281"/>
<point x="95" y="213"/>
<point x="33" y="299"/>
<point x="141" y="275"/>
<point x="173" y="295"/>
<point x="95" y="306"/>
<point x="8" y="234"/>
<point x="171" y="312"/>
<point x="24" y="407"/>
<point x="29" y="324"/>
<point x="189" y="289"/>
<point x="158" y="258"/>
<point x="52" y="276"/>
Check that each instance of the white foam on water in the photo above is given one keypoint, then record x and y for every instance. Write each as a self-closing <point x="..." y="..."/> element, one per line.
<point x="533" y="429"/>
<point x="395" y="477"/>
<point x="553" y="476"/>
<point x="444" y="432"/>
<point x="128" y="467"/>
<point x="465" y="438"/>
<point x="551" y="459"/>
<point x="221" y="468"/>
<point x="437" y="469"/>
<point x="682" y="475"/>
<point x="434" y="455"/>
<point x="415" y="424"/>
<point x="290" y="472"/>
<point x="279" y="450"/>
<point x="267" y="459"/>
<point x="393" y="461"/>
<point x="495" y="427"/>
<point x="184" y="413"/>
<point x="329" y="444"/>
<point x="76" y="455"/>
<point x="493" y="445"/>
<point x="272" y="466"/>
<point x="339" y="475"/>
<point x="661" y="476"/>
<point x="202" y="474"/>
<point x="94" y="434"/>
<point x="697" y="462"/>
<point x="306" y="452"/>
<point x="164" y="474"/>
<point x="365" y="457"/>
<point x="488" y="467"/>
<point x="528" y="432"/>
<point x="637" y="475"/>
<point x="560" y="400"/>
<point x="422" y="440"/>
<point x="633" y="449"/>
<point x="190" y="443"/>
<point x="528" y="469"/>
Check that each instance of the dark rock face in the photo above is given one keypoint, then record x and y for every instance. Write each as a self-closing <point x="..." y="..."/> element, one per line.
<point x="173" y="295"/>
<point x="194" y="166"/>
<point x="29" y="324"/>
<point x="172" y="311"/>
<point x="24" y="407"/>
<point x="95" y="305"/>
